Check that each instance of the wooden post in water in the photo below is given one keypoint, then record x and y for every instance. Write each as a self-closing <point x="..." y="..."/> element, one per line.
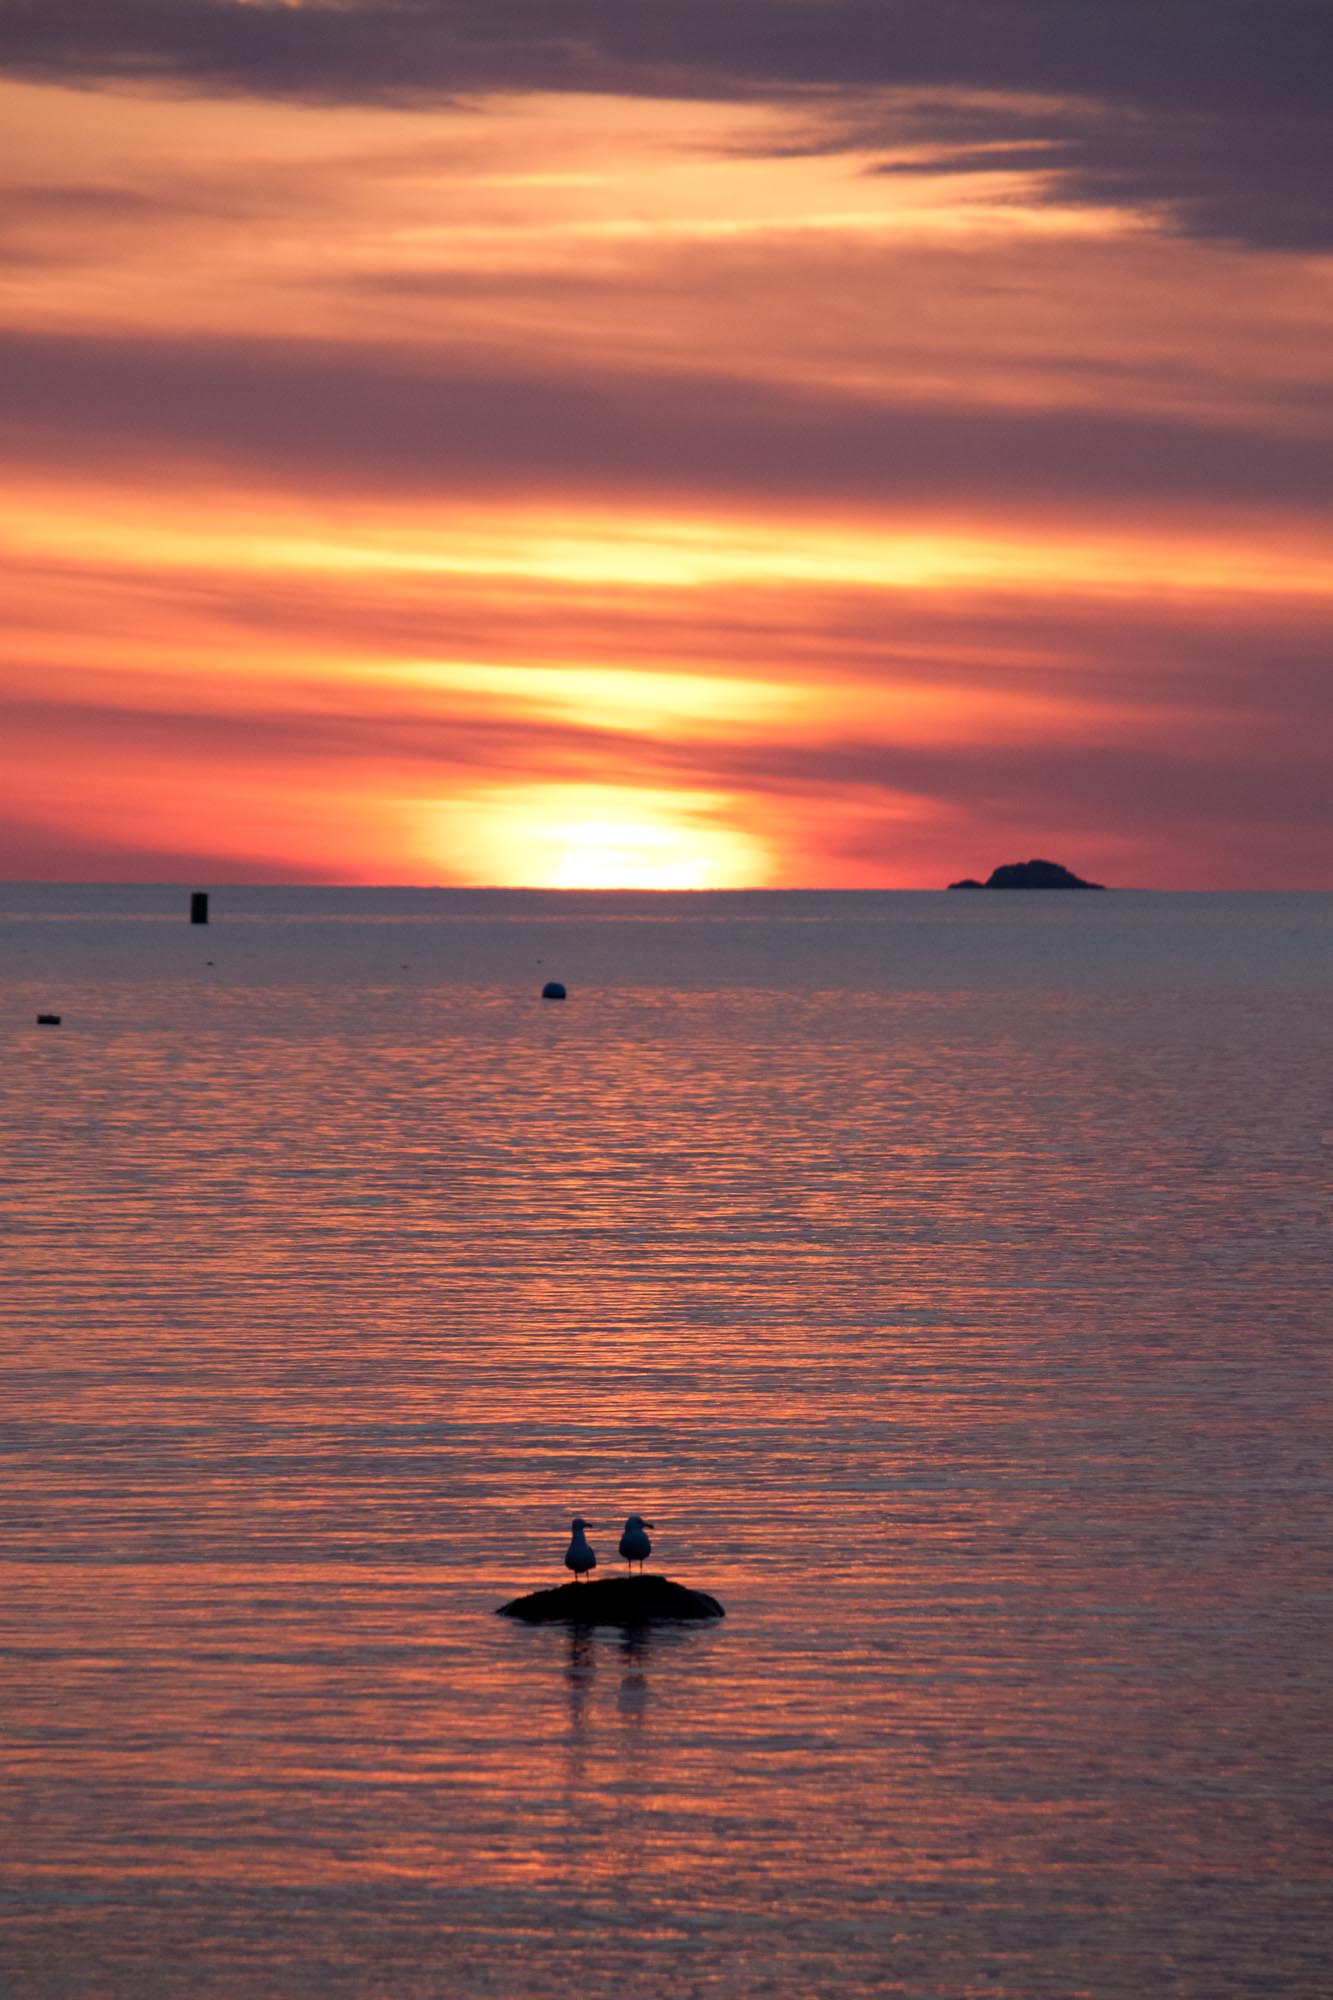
<point x="199" y="907"/>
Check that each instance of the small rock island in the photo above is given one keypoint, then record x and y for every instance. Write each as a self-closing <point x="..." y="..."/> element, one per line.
<point x="614" y="1600"/>
<point x="1029" y="875"/>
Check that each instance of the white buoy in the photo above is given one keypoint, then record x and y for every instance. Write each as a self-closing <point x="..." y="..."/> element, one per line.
<point x="634" y="1543"/>
<point x="579" y="1556"/>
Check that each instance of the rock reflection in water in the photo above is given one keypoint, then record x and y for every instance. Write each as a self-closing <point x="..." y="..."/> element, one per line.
<point x="632" y="1694"/>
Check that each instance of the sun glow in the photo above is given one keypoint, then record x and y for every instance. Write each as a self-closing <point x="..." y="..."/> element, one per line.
<point x="519" y="487"/>
<point x="632" y="548"/>
<point x="595" y="837"/>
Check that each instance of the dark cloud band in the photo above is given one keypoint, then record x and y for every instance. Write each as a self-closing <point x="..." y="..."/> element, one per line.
<point x="383" y="421"/>
<point x="1189" y="54"/>
<point x="1217" y="110"/>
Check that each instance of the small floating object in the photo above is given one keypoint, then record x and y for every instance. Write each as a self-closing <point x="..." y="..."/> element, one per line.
<point x="199" y="907"/>
<point x="615" y="1600"/>
<point x="48" y="1020"/>
<point x="553" y="990"/>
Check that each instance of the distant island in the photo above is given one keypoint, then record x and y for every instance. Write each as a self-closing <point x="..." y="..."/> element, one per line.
<point x="1029" y="875"/>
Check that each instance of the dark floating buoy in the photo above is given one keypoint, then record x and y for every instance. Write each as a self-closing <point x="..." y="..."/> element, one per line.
<point x="614" y="1600"/>
<point x="553" y="990"/>
<point x="48" y="1020"/>
<point x="199" y="907"/>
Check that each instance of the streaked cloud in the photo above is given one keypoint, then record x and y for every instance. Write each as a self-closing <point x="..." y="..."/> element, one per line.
<point x="773" y="442"/>
<point x="1219" y="106"/>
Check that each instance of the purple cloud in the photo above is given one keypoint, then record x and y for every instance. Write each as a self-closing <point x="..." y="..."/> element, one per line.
<point x="404" y="423"/>
<point x="1218" y="109"/>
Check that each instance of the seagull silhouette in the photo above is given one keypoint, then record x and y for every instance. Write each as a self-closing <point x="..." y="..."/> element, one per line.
<point x="579" y="1556"/>
<point x="634" y="1543"/>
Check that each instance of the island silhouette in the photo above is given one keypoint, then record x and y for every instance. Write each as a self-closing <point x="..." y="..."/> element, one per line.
<point x="1028" y="875"/>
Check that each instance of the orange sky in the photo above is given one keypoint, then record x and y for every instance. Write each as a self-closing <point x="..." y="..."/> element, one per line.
<point x="678" y="486"/>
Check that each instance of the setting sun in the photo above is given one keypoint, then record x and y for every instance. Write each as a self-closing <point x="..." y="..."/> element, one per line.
<point x="598" y="837"/>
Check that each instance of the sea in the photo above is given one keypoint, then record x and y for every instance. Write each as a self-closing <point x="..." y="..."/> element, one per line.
<point x="946" y="1278"/>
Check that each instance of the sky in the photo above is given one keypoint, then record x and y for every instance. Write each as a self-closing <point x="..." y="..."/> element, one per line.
<point x="707" y="443"/>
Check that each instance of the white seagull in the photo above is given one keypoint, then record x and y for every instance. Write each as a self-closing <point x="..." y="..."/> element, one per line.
<point x="634" y="1543"/>
<point x="579" y="1556"/>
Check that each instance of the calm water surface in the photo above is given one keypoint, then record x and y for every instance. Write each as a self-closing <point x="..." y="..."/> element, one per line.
<point x="946" y="1277"/>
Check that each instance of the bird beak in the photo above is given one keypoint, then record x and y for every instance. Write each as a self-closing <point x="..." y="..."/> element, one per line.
<point x="649" y="1524"/>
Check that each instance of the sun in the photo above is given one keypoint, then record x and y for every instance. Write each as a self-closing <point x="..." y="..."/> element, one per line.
<point x="630" y="854"/>
<point x="594" y="837"/>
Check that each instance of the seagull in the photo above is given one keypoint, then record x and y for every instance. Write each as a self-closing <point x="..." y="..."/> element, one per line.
<point x="579" y="1556"/>
<point x="634" y="1543"/>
